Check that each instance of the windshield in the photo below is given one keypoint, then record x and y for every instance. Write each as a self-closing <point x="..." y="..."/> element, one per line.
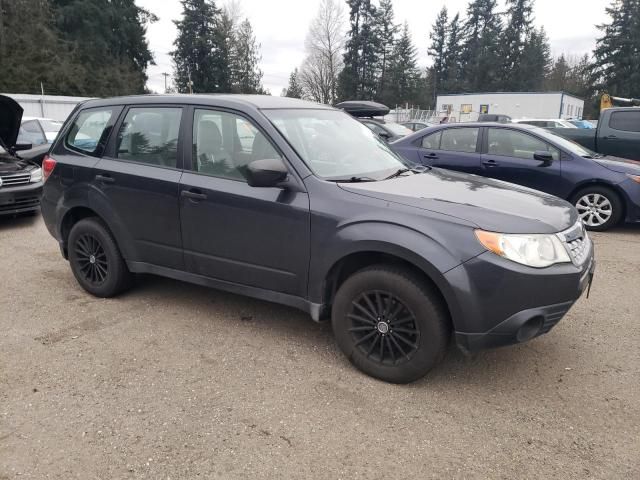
<point x="566" y="144"/>
<point x="334" y="145"/>
<point x="398" y="129"/>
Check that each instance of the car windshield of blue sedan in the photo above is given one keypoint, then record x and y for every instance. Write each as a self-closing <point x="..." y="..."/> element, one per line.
<point x="335" y="146"/>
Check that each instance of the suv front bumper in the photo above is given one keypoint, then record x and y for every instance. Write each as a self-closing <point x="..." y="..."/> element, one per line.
<point x="20" y="199"/>
<point x="511" y="303"/>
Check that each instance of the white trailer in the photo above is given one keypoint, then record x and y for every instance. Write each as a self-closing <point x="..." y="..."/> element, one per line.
<point x="466" y="107"/>
<point x="46" y="106"/>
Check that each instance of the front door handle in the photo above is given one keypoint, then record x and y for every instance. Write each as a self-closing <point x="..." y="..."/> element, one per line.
<point x="431" y="156"/>
<point x="490" y="163"/>
<point x="105" y="179"/>
<point x="193" y="194"/>
<point x="611" y="137"/>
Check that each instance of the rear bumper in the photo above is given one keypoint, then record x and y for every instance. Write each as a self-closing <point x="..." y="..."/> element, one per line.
<point x="21" y="199"/>
<point x="514" y="307"/>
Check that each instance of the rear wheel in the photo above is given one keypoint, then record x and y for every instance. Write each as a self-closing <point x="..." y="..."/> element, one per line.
<point x="390" y="324"/>
<point x="599" y="208"/>
<point x="95" y="259"/>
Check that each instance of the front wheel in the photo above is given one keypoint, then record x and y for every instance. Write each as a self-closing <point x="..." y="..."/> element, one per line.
<point x="599" y="208"/>
<point x="390" y="324"/>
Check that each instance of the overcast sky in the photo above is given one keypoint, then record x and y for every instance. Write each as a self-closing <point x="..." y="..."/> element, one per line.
<point x="281" y="26"/>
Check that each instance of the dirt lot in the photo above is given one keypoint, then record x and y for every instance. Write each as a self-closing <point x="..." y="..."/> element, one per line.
<point x="177" y="381"/>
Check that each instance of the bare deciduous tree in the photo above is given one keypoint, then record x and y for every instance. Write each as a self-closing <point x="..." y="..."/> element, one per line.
<point x="324" y="45"/>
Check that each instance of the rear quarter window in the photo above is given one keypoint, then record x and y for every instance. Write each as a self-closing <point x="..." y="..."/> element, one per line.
<point x="625" y="121"/>
<point x="90" y="130"/>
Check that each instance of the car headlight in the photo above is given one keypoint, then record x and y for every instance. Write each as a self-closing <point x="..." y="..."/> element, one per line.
<point x="36" y="175"/>
<point x="533" y="250"/>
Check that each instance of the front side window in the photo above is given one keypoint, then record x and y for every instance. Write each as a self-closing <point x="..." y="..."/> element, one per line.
<point x="628" y="121"/>
<point x="149" y="135"/>
<point x="31" y="133"/>
<point x="459" y="140"/>
<point x="89" y="130"/>
<point x="225" y="143"/>
<point x="334" y="145"/>
<point x="432" y="142"/>
<point x="510" y="143"/>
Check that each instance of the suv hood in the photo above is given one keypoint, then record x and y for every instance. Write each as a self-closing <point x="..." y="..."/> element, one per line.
<point x="490" y="204"/>
<point x="620" y="165"/>
<point x="10" y="118"/>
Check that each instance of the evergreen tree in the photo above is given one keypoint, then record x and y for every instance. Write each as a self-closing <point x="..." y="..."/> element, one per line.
<point x="246" y="76"/>
<point x="358" y="80"/>
<point x="558" y="77"/>
<point x="197" y="56"/>
<point x="387" y="31"/>
<point x="535" y="62"/>
<point x="452" y="66"/>
<point x="481" y="61"/>
<point x="403" y="70"/>
<point x="514" y="38"/>
<point x="616" y="66"/>
<point x="295" y="89"/>
<point x="438" y="49"/>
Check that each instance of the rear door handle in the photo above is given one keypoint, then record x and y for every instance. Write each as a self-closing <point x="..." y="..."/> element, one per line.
<point x="105" y="179"/>
<point x="431" y="156"/>
<point x="490" y="163"/>
<point x="611" y="137"/>
<point x="193" y="194"/>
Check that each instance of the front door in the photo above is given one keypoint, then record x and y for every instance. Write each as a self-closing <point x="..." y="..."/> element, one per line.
<point x="510" y="157"/>
<point x="621" y="138"/>
<point x="256" y="237"/>
<point x="138" y="180"/>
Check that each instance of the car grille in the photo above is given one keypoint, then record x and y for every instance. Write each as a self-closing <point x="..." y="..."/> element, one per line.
<point x="577" y="242"/>
<point x="13" y="180"/>
<point x="20" y="204"/>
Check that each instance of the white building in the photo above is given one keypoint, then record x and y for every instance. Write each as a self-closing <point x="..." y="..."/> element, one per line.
<point x="465" y="107"/>
<point x="47" y="106"/>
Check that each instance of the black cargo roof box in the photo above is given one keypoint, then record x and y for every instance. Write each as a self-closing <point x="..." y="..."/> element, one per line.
<point x="361" y="108"/>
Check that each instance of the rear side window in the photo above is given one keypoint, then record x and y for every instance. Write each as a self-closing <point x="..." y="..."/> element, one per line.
<point x="89" y="130"/>
<point x="625" y="121"/>
<point x="432" y="142"/>
<point x="150" y="135"/>
<point x="459" y="140"/>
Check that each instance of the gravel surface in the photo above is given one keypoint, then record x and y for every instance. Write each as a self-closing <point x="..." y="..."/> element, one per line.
<point x="175" y="381"/>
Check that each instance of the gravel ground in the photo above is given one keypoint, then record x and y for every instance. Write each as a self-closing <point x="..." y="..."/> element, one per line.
<point x="174" y="381"/>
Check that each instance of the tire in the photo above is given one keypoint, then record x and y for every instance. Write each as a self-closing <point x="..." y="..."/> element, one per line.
<point x="95" y="259"/>
<point x="600" y="208"/>
<point x="405" y="356"/>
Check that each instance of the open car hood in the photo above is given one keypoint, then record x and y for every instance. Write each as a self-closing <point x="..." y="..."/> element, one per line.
<point x="10" y="118"/>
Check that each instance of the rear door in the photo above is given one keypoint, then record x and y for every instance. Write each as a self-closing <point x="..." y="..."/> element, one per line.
<point x="137" y="180"/>
<point x="509" y="156"/>
<point x="621" y="138"/>
<point x="455" y="148"/>
<point x="258" y="237"/>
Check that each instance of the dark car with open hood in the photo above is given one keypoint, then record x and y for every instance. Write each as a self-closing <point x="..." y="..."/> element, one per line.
<point x="20" y="179"/>
<point x="298" y="203"/>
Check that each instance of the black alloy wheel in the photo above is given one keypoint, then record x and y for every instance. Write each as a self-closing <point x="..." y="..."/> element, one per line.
<point x="383" y="328"/>
<point x="92" y="259"/>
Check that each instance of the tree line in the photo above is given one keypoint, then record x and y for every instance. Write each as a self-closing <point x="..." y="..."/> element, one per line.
<point x="483" y="50"/>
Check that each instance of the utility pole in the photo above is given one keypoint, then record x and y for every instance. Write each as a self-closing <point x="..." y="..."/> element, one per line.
<point x="165" y="75"/>
<point x="190" y="82"/>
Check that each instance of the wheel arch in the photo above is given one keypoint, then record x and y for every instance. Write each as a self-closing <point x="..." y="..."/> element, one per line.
<point x="603" y="184"/>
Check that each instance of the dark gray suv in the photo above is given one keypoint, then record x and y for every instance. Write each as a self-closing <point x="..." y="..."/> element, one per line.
<point x="300" y="204"/>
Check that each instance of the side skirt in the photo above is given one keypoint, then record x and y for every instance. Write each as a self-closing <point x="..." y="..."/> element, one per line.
<point x="313" y="309"/>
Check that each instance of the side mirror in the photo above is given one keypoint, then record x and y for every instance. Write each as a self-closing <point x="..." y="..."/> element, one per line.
<point x="266" y="173"/>
<point x="23" y="146"/>
<point x="543" y="156"/>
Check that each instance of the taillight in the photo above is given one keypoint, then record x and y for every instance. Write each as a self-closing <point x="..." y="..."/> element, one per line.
<point x="48" y="164"/>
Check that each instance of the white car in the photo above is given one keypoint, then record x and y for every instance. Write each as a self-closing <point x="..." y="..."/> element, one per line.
<point x="546" y="122"/>
<point x="36" y="130"/>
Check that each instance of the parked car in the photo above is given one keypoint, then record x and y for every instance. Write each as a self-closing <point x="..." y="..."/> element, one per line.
<point x="491" y="117"/>
<point x="316" y="213"/>
<point x="617" y="133"/>
<point x="20" y="179"/>
<point x="582" y="124"/>
<point x="417" y="126"/>
<point x="605" y="190"/>
<point x="389" y="132"/>
<point x="546" y="123"/>
<point x="38" y="127"/>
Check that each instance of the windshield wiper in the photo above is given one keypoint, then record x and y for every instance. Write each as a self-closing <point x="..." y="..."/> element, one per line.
<point x="402" y="171"/>
<point x="352" y="180"/>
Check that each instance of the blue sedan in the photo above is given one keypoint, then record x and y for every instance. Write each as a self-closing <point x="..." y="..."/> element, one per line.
<point x="605" y="190"/>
